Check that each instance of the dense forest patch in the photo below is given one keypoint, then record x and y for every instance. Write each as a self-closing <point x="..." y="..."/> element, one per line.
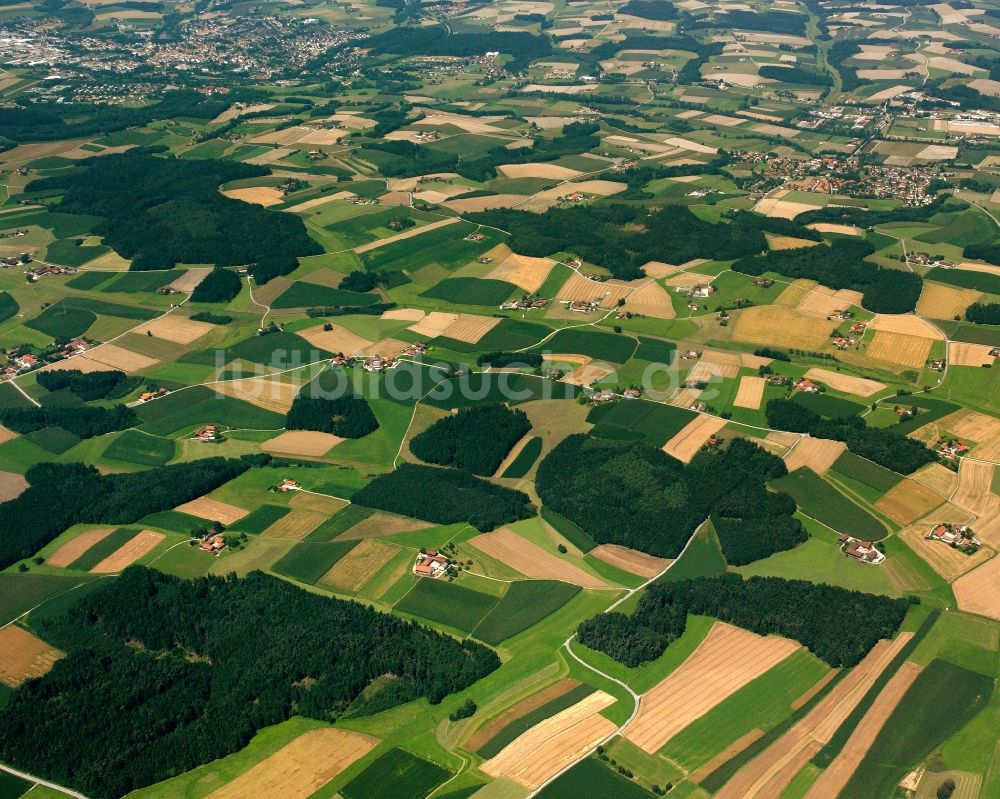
<point x="476" y="439"/>
<point x="347" y="417"/>
<point x="842" y="266"/>
<point x="88" y="386"/>
<point x="199" y="666"/>
<point x="882" y="445"/>
<point x="822" y="617"/>
<point x="82" y="421"/>
<point x="162" y="211"/>
<point x="983" y="313"/>
<point x="634" y="494"/>
<point x="60" y="495"/>
<point x="444" y="496"/>
<point x="622" y="238"/>
<point x="219" y="285"/>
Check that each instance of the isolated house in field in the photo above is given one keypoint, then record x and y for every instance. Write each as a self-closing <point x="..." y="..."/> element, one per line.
<point x="376" y="363"/>
<point x="213" y="544"/>
<point x="431" y="564"/>
<point x="26" y="361"/>
<point x="862" y="551"/>
<point x="207" y="433"/>
<point x="289" y="485"/>
<point x="603" y="396"/>
<point x="701" y="291"/>
<point x="806" y="385"/>
<point x="955" y="535"/>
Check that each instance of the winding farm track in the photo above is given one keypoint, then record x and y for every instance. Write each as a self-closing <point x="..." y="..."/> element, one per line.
<point x="635" y="697"/>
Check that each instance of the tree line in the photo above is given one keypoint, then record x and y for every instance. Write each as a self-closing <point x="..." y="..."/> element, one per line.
<point x="634" y="494"/>
<point x="881" y="445"/>
<point x="61" y="495"/>
<point x="983" y="313"/>
<point x="475" y="439"/>
<point x="837" y="625"/>
<point x="82" y="421"/>
<point x="163" y="674"/>
<point x="445" y="496"/>
<point x="842" y="265"/>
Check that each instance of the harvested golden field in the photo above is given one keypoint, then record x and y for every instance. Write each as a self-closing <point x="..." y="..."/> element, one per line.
<point x="520" y="710"/>
<point x="726" y="660"/>
<point x="189" y="281"/>
<point x="295" y="525"/>
<point x="975" y="494"/>
<point x="473" y="204"/>
<point x="659" y="269"/>
<point x="704" y="371"/>
<point x="523" y="271"/>
<point x="950" y="563"/>
<point x="750" y="393"/>
<point x="434" y="324"/>
<point x="973" y="426"/>
<point x="782" y="209"/>
<point x="323" y="503"/>
<point x="687" y="279"/>
<point x="6" y="435"/>
<point x="962" y="354"/>
<point x="402" y="315"/>
<point x="117" y="358"/>
<point x="939" y="301"/>
<point x="630" y="560"/>
<point x="470" y="327"/>
<point x="12" y="485"/>
<point x="769" y="323"/>
<point x="907" y="324"/>
<point x="686" y="397"/>
<point x="23" y="656"/>
<point x="551" y="745"/>
<point x="305" y="443"/>
<point x="938" y="477"/>
<point x="300" y="768"/>
<point x="382" y="524"/>
<point x="72" y="550"/>
<point x="206" y="508"/>
<point x="358" y="566"/>
<point x="722" y="358"/>
<point x="650" y="300"/>
<point x="823" y="301"/>
<point x="849" y="384"/>
<point x="769" y="773"/>
<point x="323" y="277"/>
<point x="587" y="375"/>
<point x="835" y="776"/>
<point x="552" y="171"/>
<point x="269" y="393"/>
<point x="776" y="242"/>
<point x="751" y="361"/>
<point x="531" y="560"/>
<point x="976" y="592"/>
<point x="818" y="454"/>
<point x="336" y="340"/>
<point x="583" y="289"/>
<point x="257" y="195"/>
<point x="829" y="227"/>
<point x="795" y="292"/>
<point x="900" y="348"/>
<point x="128" y="554"/>
<point x="685" y="445"/>
<point x="908" y="501"/>
<point x="406" y="234"/>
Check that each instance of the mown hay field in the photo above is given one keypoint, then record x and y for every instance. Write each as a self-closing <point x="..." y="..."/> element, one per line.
<point x="771" y="323"/>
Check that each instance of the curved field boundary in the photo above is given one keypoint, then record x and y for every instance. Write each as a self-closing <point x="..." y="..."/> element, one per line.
<point x="531" y="560"/>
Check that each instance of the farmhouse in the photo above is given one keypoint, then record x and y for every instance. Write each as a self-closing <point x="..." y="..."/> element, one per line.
<point x="951" y="448"/>
<point x="937" y="364"/>
<point x="858" y="328"/>
<point x="208" y="433"/>
<point x="600" y="397"/>
<point x="26" y="361"/>
<point x="958" y="536"/>
<point x="289" y="485"/>
<point x="213" y="544"/>
<point x="807" y="385"/>
<point x="862" y="551"/>
<point x="152" y="394"/>
<point x="431" y="564"/>
<point x="376" y="363"/>
<point x="416" y="348"/>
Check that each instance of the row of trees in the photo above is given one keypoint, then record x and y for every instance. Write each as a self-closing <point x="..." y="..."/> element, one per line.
<point x="837" y="625"/>
<point x="842" y="266"/>
<point x="88" y="386"/>
<point x="445" y="496"/>
<point x="61" y="495"/>
<point x="163" y="674"/>
<point x="983" y="252"/>
<point x="881" y="445"/>
<point x="634" y="494"/>
<point x="160" y="211"/>
<point x="475" y="439"/>
<point x="85" y="422"/>
<point x="983" y="313"/>
<point x="347" y="417"/>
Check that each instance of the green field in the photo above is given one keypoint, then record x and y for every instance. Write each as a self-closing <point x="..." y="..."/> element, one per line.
<point x="525" y="459"/>
<point x="136" y="282"/>
<point x="702" y="558"/>
<point x="942" y="700"/>
<point x="12" y="787"/>
<point x="339" y="522"/>
<point x="200" y="405"/>
<point x="278" y="349"/>
<point x="525" y="603"/>
<point x="447" y="603"/>
<point x="524" y="723"/>
<point x="308" y="562"/>
<point x="395" y="774"/>
<point x="106" y="546"/>
<point x="471" y="291"/>
<point x="570" y="531"/>
<point x="864" y="471"/>
<point x="591" y="779"/>
<point x="140" y="448"/>
<point x="8" y="306"/>
<point x="639" y="420"/>
<point x="262" y="518"/>
<point x="828" y="405"/>
<point x="820" y="500"/>
<point x="597" y="345"/>
<point x="510" y="334"/>
<point x="655" y="350"/>
<point x="963" y="278"/>
<point x="310" y="295"/>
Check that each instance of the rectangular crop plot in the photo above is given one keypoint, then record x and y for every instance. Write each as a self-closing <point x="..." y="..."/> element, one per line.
<point x="308" y="562"/>
<point x="199" y="405"/>
<point x="525" y="604"/>
<point x="23" y="656"/>
<point x="262" y="518"/>
<point x="358" y="566"/>
<point x="524" y="459"/>
<point x="471" y="291"/>
<point x="591" y="777"/>
<point x="864" y="471"/>
<point x="641" y="420"/>
<point x="140" y="448"/>
<point x="447" y="603"/>
<point x="99" y="547"/>
<point x="820" y="500"/>
<point x="531" y="560"/>
<point x="131" y="551"/>
<point x="396" y="774"/>
<point x="569" y="530"/>
<point x="908" y="501"/>
<point x="599" y="346"/>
